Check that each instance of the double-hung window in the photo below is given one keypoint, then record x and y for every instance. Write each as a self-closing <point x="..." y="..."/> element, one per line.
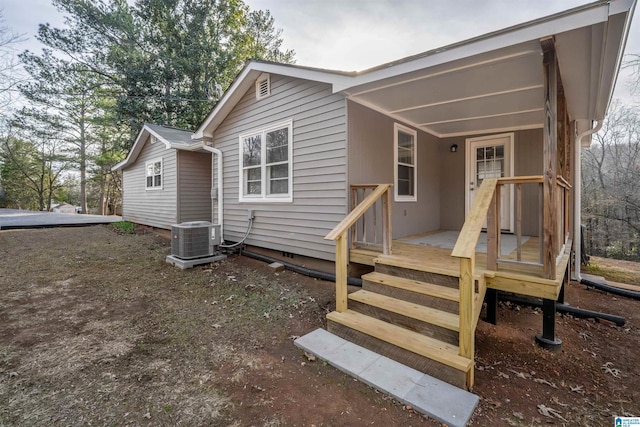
<point x="265" y="164"/>
<point x="154" y="174"/>
<point x="405" y="159"/>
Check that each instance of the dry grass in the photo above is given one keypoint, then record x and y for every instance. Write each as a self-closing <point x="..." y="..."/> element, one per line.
<point x="615" y="270"/>
<point x="101" y="330"/>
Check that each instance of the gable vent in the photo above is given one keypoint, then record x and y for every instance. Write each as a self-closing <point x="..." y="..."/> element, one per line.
<point x="263" y="86"/>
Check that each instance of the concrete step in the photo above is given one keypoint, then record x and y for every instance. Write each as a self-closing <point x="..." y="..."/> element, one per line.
<point x="426" y="394"/>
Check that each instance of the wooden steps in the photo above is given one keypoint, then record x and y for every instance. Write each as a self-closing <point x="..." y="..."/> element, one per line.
<point x="426" y="354"/>
<point x="409" y="309"/>
<point x="412" y="264"/>
<point x="434" y="349"/>
<point x="427" y="321"/>
<point x="443" y="298"/>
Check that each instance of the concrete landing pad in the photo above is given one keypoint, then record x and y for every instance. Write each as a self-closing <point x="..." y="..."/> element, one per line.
<point x="427" y="395"/>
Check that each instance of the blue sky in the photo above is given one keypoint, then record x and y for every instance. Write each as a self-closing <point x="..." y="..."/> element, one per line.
<point x="357" y="34"/>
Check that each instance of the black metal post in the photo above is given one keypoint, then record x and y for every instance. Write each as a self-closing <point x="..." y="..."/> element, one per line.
<point x="548" y="338"/>
<point x="491" y="298"/>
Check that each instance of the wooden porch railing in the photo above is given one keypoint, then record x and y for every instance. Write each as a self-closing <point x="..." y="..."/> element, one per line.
<point x="557" y="234"/>
<point x="486" y="206"/>
<point x="564" y="209"/>
<point x="339" y="234"/>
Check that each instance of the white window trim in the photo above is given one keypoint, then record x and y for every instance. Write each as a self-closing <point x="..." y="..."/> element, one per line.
<point x="146" y="167"/>
<point x="398" y="198"/>
<point x="264" y="197"/>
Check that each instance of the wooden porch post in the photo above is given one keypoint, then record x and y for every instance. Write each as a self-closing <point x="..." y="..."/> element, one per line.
<point x="341" y="273"/>
<point x="387" y="232"/>
<point x="493" y="231"/>
<point x="550" y="162"/>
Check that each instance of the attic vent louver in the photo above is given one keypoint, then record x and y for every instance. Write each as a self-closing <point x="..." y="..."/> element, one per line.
<point x="263" y="86"/>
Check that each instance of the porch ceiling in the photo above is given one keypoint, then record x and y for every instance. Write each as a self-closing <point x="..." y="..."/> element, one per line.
<point x="499" y="86"/>
<point x="492" y="92"/>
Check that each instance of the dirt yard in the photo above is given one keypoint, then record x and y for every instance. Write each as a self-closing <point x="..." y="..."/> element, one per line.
<point x="96" y="329"/>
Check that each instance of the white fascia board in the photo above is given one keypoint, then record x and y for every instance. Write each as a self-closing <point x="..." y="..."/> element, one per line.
<point x="223" y="103"/>
<point x="303" y="73"/>
<point x="246" y="79"/>
<point x="606" y="101"/>
<point x="581" y="18"/>
<point x="160" y="138"/>
<point x="622" y="6"/>
<point x="135" y="149"/>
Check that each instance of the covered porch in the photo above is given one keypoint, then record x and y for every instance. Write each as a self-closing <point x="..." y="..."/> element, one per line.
<point x="481" y="140"/>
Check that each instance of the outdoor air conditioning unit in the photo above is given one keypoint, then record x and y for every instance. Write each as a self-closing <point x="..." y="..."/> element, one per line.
<point x="196" y="239"/>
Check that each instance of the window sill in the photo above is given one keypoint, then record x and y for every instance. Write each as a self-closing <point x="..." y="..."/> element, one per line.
<point x="401" y="199"/>
<point x="265" y="200"/>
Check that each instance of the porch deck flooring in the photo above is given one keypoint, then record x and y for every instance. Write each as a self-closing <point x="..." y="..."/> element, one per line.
<point x="442" y="260"/>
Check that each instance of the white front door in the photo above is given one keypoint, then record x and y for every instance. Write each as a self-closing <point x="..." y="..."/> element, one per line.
<point x="490" y="157"/>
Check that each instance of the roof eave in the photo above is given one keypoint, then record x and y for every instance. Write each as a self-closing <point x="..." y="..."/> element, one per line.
<point x="246" y="78"/>
<point x="133" y="153"/>
<point x="586" y="15"/>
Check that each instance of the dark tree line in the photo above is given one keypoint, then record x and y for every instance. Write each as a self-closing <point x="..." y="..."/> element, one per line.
<point x="611" y="187"/>
<point x="110" y="69"/>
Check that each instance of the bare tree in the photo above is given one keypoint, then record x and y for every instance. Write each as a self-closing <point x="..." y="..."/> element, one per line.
<point x="611" y="173"/>
<point x="9" y="65"/>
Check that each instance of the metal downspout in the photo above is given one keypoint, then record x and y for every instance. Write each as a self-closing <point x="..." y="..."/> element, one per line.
<point x="577" y="200"/>
<point x="218" y="154"/>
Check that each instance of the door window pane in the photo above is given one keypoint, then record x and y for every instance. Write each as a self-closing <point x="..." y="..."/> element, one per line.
<point x="489" y="163"/>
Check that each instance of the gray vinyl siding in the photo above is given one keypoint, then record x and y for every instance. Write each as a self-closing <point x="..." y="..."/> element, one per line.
<point x="527" y="161"/>
<point x="156" y="208"/>
<point x="319" y="168"/>
<point x="194" y="186"/>
<point x="371" y="161"/>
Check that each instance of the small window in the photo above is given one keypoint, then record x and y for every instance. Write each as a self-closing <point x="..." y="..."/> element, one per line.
<point x="154" y="174"/>
<point x="265" y="164"/>
<point x="263" y="86"/>
<point x="406" y="169"/>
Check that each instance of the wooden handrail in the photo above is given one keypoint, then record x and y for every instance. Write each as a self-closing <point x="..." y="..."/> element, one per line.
<point x="468" y="239"/>
<point x="353" y="216"/>
<point x="521" y="179"/>
<point x="339" y="234"/>
<point x="364" y="185"/>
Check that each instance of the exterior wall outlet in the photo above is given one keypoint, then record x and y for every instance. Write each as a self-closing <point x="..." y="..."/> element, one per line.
<point x="214" y="194"/>
<point x="250" y="214"/>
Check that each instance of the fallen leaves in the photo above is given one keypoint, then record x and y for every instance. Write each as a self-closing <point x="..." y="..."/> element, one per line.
<point x="541" y="381"/>
<point x="607" y="368"/>
<point x="577" y="389"/>
<point x="518" y="415"/>
<point x="522" y="375"/>
<point x="550" y="412"/>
